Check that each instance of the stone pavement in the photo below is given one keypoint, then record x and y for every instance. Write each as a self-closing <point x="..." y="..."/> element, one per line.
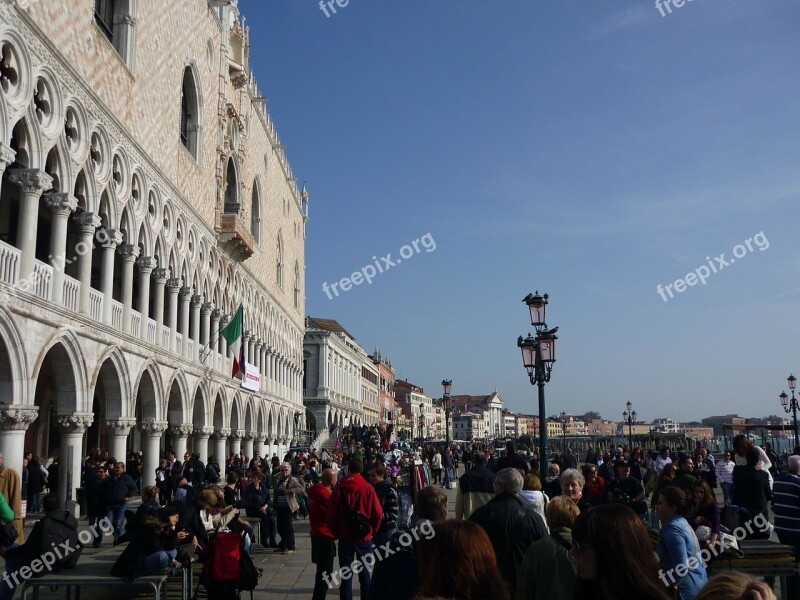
<point x="288" y="577"/>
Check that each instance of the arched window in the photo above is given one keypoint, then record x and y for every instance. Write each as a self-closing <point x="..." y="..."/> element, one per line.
<point x="255" y="214"/>
<point x="190" y="113"/>
<point x="279" y="261"/>
<point x="231" y="189"/>
<point x="296" y="285"/>
<point x="115" y="20"/>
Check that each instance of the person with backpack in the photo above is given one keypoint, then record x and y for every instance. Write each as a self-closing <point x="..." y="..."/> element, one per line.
<point x="354" y="517"/>
<point x="390" y="503"/>
<point x="57" y="529"/>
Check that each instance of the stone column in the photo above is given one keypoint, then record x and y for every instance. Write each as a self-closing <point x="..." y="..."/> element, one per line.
<point x="251" y="350"/>
<point x="197" y="301"/>
<point x="129" y="254"/>
<point x="117" y="431"/>
<point x="14" y="422"/>
<point x="33" y="183"/>
<point x="205" y="325"/>
<point x="235" y="440"/>
<point x="220" y="450"/>
<point x="87" y="223"/>
<point x="246" y="346"/>
<point x="263" y="445"/>
<point x="213" y="336"/>
<point x="72" y="428"/>
<point x="223" y="345"/>
<point x="146" y="266"/>
<point x="185" y="298"/>
<point x="179" y="434"/>
<point x="151" y="434"/>
<point x="160" y="277"/>
<point x="201" y="435"/>
<point x="247" y="443"/>
<point x="61" y="206"/>
<point x="173" y="287"/>
<point x="112" y="239"/>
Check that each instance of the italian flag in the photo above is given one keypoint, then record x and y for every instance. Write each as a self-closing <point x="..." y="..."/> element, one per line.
<point x="232" y="333"/>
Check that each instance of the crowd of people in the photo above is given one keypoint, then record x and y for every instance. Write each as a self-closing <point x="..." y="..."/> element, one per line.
<point x="568" y="532"/>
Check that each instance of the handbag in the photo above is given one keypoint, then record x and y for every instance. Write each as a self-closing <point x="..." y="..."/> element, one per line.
<point x="8" y="533"/>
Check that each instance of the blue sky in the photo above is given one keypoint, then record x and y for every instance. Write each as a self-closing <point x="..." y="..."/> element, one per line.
<point x="592" y="150"/>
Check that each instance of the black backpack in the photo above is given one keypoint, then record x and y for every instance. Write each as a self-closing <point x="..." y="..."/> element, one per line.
<point x="248" y="574"/>
<point x="212" y="475"/>
<point x="357" y="524"/>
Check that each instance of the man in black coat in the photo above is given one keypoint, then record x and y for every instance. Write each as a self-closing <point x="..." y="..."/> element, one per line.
<point x="512" y="459"/>
<point x="475" y="487"/>
<point x="119" y="487"/>
<point x="511" y="523"/>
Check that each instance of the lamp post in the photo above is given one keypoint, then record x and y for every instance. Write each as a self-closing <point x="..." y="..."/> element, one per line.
<point x="538" y="356"/>
<point x="421" y="423"/>
<point x="791" y="405"/>
<point x="563" y="432"/>
<point x="446" y="385"/>
<point x="630" y="415"/>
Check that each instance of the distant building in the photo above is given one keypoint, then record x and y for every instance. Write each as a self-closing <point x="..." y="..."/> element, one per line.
<point x="716" y="422"/>
<point x="490" y="406"/>
<point x="414" y="403"/>
<point x="470" y="426"/>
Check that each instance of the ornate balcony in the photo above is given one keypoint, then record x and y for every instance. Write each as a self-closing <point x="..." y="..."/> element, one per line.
<point x="235" y="237"/>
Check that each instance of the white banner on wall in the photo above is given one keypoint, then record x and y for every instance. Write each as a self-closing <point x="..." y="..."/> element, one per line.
<point x="252" y="378"/>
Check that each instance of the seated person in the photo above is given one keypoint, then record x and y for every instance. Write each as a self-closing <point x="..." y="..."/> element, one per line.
<point x="256" y="502"/>
<point x="153" y="547"/>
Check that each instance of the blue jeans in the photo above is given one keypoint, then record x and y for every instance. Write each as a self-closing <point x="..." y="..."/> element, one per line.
<point x="347" y="552"/>
<point x="116" y="514"/>
<point x="158" y="560"/>
<point x="727" y="492"/>
<point x="447" y="476"/>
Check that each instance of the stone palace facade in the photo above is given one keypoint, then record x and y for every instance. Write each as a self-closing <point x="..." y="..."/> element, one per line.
<point x="144" y="195"/>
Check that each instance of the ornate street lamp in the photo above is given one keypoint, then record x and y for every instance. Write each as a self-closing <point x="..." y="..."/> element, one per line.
<point x="791" y="406"/>
<point x="538" y="356"/>
<point x="446" y="385"/>
<point x="630" y="415"/>
<point x="421" y="423"/>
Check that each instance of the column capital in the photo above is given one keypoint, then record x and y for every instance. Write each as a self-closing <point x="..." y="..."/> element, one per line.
<point x="174" y="285"/>
<point x="236" y="434"/>
<point x="186" y="294"/>
<point x="152" y="427"/>
<point x="197" y="300"/>
<point x="74" y="423"/>
<point x="204" y="431"/>
<point x="216" y="313"/>
<point x="17" y="418"/>
<point x="7" y="155"/>
<point x="249" y="435"/>
<point x="182" y="430"/>
<point x="113" y="238"/>
<point x="161" y="275"/>
<point x="34" y="181"/>
<point x="207" y="308"/>
<point x="60" y="204"/>
<point x="222" y="432"/>
<point x="146" y="264"/>
<point x="120" y="426"/>
<point x="88" y="221"/>
<point x="247" y="335"/>
<point x="128" y="252"/>
<point x="259" y="436"/>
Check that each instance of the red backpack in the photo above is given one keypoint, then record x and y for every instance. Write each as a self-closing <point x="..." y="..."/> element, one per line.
<point x="221" y="559"/>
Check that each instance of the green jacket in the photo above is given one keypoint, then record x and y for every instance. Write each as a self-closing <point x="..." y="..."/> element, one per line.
<point x="5" y="510"/>
<point x="547" y="571"/>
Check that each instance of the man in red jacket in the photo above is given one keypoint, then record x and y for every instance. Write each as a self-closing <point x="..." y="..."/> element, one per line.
<point x="354" y="500"/>
<point x="323" y="542"/>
